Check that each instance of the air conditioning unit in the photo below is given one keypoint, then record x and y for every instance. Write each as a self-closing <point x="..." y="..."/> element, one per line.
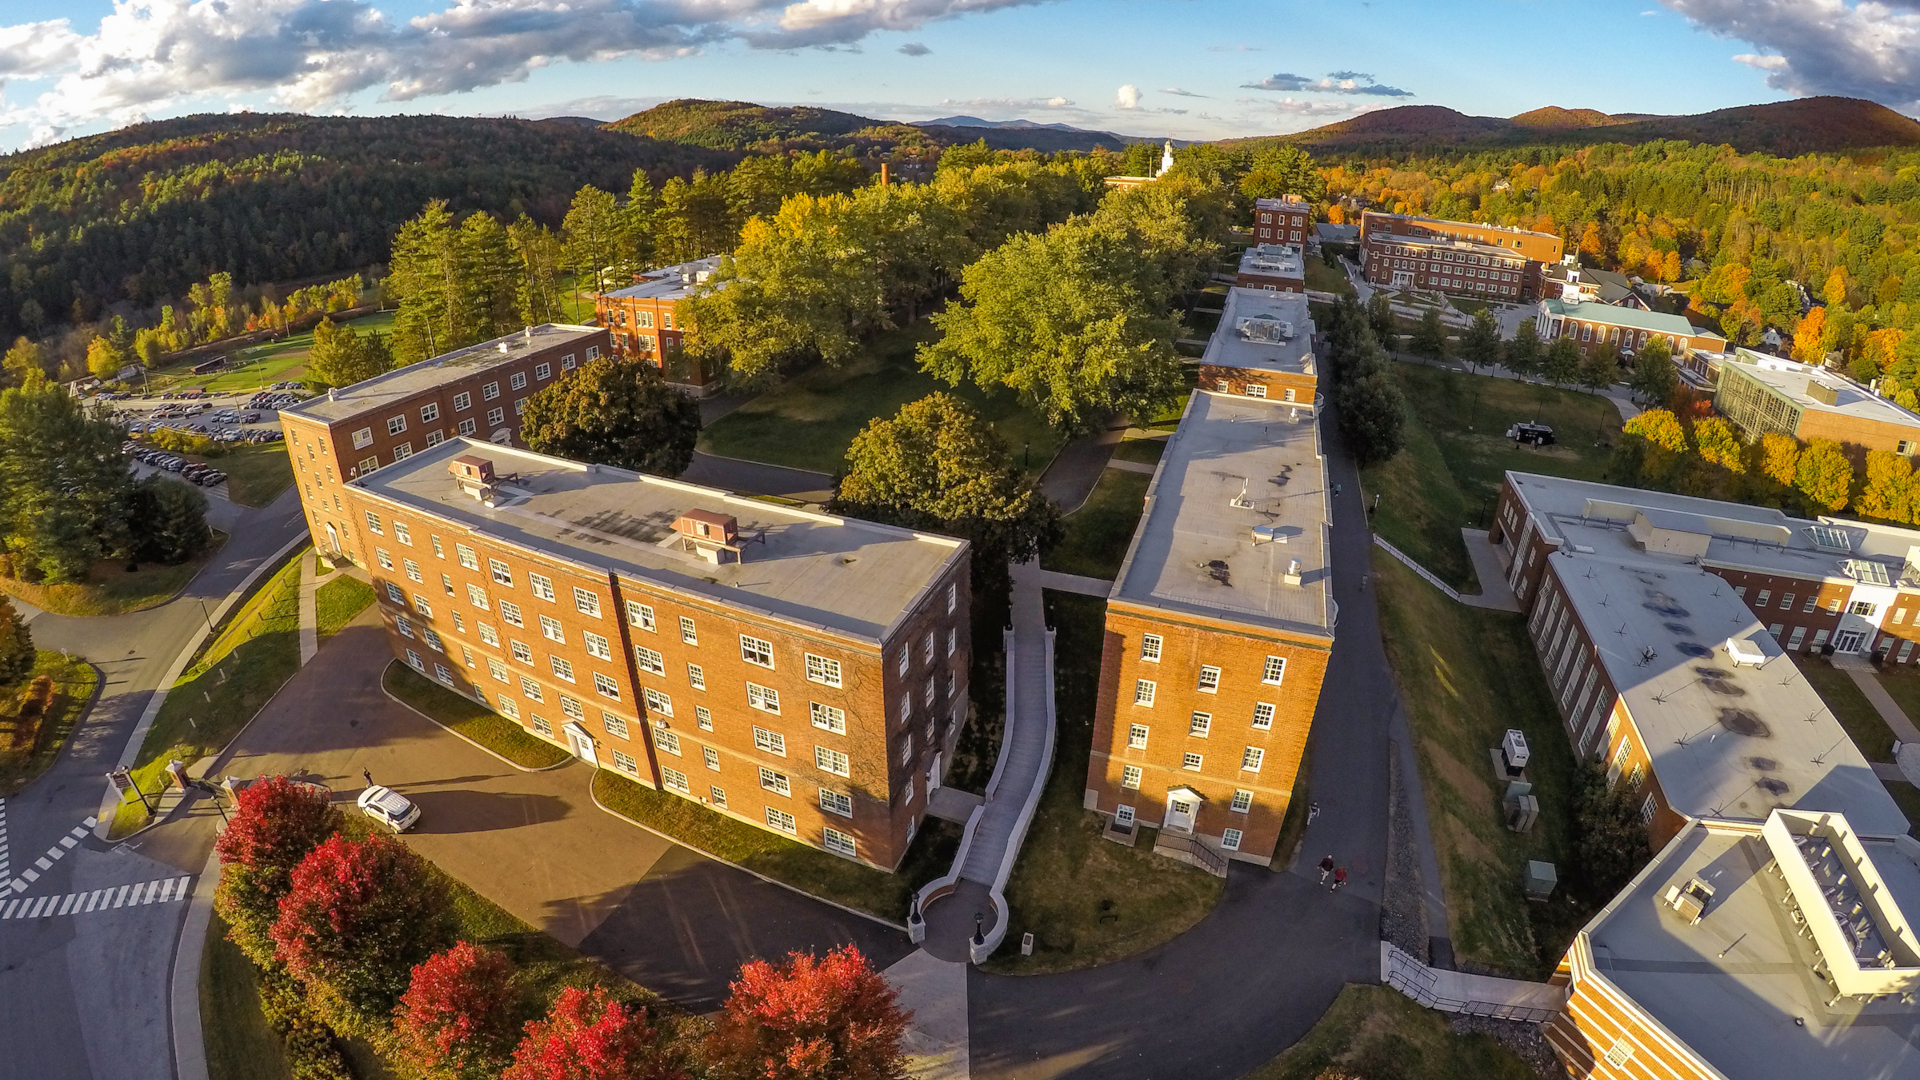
<point x="1513" y="750"/>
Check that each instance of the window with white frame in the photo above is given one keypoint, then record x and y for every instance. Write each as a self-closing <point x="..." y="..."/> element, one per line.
<point x="567" y="362"/>
<point x="953" y="637"/>
<point x="363" y="438"/>
<point x="490" y="391"/>
<point x="468" y="427"/>
<point x="586" y="601"/>
<point x="1209" y="679"/>
<point x="717" y="795"/>
<point x="396" y="424"/>
<point x="521" y="652"/>
<point x="414" y="661"/>
<point x="1262" y="715"/>
<point x="517" y="381"/>
<point x="572" y="709"/>
<point x="477" y="596"/>
<point x="1274" y="671"/>
<point x="657" y="702"/>
<point x="953" y="596"/>
<point x="489" y="635"/>
<point x="383" y="557"/>
<point x="541" y="585"/>
<point x="1150" y="648"/>
<point x="1130" y="776"/>
<point x="836" y="841"/>
<point x="1230" y="839"/>
<point x="429" y="412"/>
<point x="462" y="401"/>
<point x="676" y="780"/>
<point x="1199" y="724"/>
<point x="1143" y="692"/>
<point x="1242" y="801"/>
<point x="404" y="625"/>
<point x="402" y="533"/>
<point x="533" y="690"/>
<point x="412" y="569"/>
<point x="711" y="756"/>
<point x="615" y="725"/>
<point x="764" y="698"/>
<point x="497" y="669"/>
<point x="906" y="658"/>
<point x="597" y="645"/>
<point x="906" y="749"/>
<point x="696" y="676"/>
<point x="542" y="370"/>
<point x="551" y="630"/>
<point x="775" y="782"/>
<point x="821" y="669"/>
<point x="640" y="615"/>
<point x="1190" y="762"/>
<point x="828" y="718"/>
<point x="648" y="660"/>
<point x="421" y="605"/>
<point x="1137" y="736"/>
<point x="466" y="556"/>
<point x="496" y="417"/>
<point x="502" y="573"/>
<point x="687" y="632"/>
<point x="771" y="742"/>
<point x="1250" y="759"/>
<point x="926" y="648"/>
<point x="373" y="524"/>
<point x="605" y="686"/>
<point x="703" y="716"/>
<point x="507" y="706"/>
<point x="757" y="652"/>
<point x="780" y="819"/>
<point x="666" y="739"/>
<point x="830" y="760"/>
<point x="625" y="763"/>
<point x="510" y="613"/>
<point x="562" y="667"/>
<point x="834" y="802"/>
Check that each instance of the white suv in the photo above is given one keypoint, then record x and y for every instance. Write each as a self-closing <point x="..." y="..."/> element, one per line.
<point x="389" y="808"/>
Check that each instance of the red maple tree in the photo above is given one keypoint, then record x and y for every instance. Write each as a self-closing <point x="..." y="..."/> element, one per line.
<point x="460" y="1016"/>
<point x="587" y="1035"/>
<point x="359" y="916"/>
<point x="810" y="1018"/>
<point x="275" y="823"/>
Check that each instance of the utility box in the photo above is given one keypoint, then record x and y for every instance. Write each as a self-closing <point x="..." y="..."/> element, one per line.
<point x="1513" y="750"/>
<point x="1523" y="811"/>
<point x="1541" y="879"/>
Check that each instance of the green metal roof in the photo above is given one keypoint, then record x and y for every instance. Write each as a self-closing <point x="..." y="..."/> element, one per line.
<point x="1653" y="322"/>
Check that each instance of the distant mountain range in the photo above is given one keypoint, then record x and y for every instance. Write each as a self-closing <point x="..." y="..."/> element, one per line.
<point x="742" y="125"/>
<point x="1786" y="128"/>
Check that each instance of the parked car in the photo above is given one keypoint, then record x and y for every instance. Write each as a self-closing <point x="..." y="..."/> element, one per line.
<point x="1531" y="434"/>
<point x="389" y="808"/>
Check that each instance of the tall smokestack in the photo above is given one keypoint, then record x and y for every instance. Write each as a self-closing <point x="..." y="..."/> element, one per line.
<point x="883" y="174"/>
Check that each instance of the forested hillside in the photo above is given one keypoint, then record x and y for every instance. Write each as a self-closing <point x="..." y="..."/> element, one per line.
<point x="140" y="213"/>
<point x="742" y="125"/>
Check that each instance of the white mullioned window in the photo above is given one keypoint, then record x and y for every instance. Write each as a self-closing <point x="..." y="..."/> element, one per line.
<point x="1130" y="776"/>
<point x="1274" y="670"/>
<point x="1242" y="801"/>
<point x="1150" y="648"/>
<point x="828" y="718"/>
<point x="562" y="667"/>
<point x="765" y="699"/>
<point x="657" y="702"/>
<point x="615" y="725"/>
<point x="532" y="689"/>
<point x="1200" y="724"/>
<point x="676" y="780"/>
<point x="586" y="602"/>
<point x="837" y="842"/>
<point x="466" y="556"/>
<point x="625" y="763"/>
<point x="775" y="782"/>
<point x="522" y="652"/>
<point x="477" y="596"/>
<point x="756" y="651"/>
<point x="1209" y="679"/>
<point x="550" y="629"/>
<point x="1251" y="758"/>
<point x="834" y="802"/>
<point x="780" y="819"/>
<point x="771" y="742"/>
<point x="502" y="573"/>
<point x="1190" y="762"/>
<point x="510" y="613"/>
<point x="696" y="677"/>
<point x="1143" y="693"/>
<point x="649" y="660"/>
<point x="1137" y="736"/>
<point x="605" y="686"/>
<point x="597" y="645"/>
<point x="1230" y="839"/>
<point x="541" y="584"/>
<point x="1262" y="715"/>
<point x="830" y="760"/>
<point x="823" y="670"/>
<point x="668" y="741"/>
<point x="640" y="615"/>
<point x="687" y="632"/>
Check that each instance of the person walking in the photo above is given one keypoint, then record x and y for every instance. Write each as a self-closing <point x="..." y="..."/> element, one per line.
<point x="1339" y="878"/>
<point x="368" y="773"/>
<point x="1326" y="869"/>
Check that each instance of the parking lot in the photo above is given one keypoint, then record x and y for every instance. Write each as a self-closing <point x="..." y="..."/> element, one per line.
<point x="228" y="418"/>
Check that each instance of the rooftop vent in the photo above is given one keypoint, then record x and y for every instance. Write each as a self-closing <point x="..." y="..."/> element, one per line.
<point x="505" y="346"/>
<point x="707" y="534"/>
<point x="1822" y="392"/>
<point x="1690" y="900"/>
<point x="475" y="476"/>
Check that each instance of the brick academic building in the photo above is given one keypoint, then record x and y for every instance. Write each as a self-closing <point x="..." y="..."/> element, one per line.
<point x="801" y="672"/>
<point x="1488" y="262"/>
<point x="648" y="320"/>
<point x="1218" y="631"/>
<point x="476" y="392"/>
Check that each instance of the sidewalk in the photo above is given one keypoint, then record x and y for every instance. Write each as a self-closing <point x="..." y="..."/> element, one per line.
<point x="1863" y="676"/>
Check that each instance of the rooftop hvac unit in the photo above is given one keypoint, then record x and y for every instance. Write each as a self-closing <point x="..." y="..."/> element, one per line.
<point x="1523" y="811"/>
<point x="1513" y="750"/>
<point x="1690" y="900"/>
<point x="1261" y="328"/>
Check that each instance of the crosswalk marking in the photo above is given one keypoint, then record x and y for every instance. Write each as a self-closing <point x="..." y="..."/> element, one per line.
<point x="5" y="871"/>
<point x="157" y="891"/>
<point x="55" y="853"/>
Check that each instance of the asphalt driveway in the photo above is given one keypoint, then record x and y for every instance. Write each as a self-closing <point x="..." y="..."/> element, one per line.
<point x="534" y="843"/>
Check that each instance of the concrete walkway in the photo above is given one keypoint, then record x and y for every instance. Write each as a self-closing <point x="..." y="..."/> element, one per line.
<point x="935" y="991"/>
<point x="1883" y="703"/>
<point x="1495" y="594"/>
<point x="1075" y="583"/>
<point x="1070" y="477"/>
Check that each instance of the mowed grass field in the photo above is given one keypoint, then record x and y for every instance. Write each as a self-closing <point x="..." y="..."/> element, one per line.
<point x="263" y="364"/>
<point x="809" y="421"/>
<point x="1457" y="452"/>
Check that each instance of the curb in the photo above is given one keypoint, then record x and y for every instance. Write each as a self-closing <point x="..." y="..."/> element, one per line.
<point x="110" y="800"/>
<point x="562" y="763"/>
<point x="595" y="796"/>
<point x="163" y="602"/>
<point x="189" y="1036"/>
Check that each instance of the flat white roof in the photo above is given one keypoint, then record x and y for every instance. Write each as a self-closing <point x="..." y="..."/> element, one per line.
<point x="1791" y="380"/>
<point x="1273" y="260"/>
<point x="1732" y="986"/>
<point x="675" y="282"/>
<point x="400" y="384"/>
<point x="855" y="577"/>
<point x="1726" y="739"/>
<point x="1291" y="203"/>
<point x="1236" y="464"/>
<point x="1263" y="331"/>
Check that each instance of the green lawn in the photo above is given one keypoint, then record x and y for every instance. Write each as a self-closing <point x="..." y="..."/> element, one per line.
<point x="256" y="473"/>
<point x="240" y="1044"/>
<point x="110" y="589"/>
<point x="1902" y="683"/>
<point x="1457" y="453"/>
<point x="809" y="869"/>
<point x="338" y="601"/>
<point x="1098" y="533"/>
<point x="255" y="652"/>
<point x="809" y="421"/>
<point x="1145" y="451"/>
<point x="1328" y="279"/>
<point x="264" y="364"/>
<point x="1843" y="698"/>
<point x="467" y="717"/>
<point x="1085" y="899"/>
<point x="1378" y="1033"/>
<point x="74" y="680"/>
<point x="1466" y="676"/>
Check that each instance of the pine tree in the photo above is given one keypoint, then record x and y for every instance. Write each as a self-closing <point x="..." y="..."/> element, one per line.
<point x="16" y="645"/>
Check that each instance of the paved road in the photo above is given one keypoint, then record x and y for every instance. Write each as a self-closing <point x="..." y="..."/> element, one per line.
<point x="93" y="988"/>
<point x="535" y="843"/>
<point x="1256" y="974"/>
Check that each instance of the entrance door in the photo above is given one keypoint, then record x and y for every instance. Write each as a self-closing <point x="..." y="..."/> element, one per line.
<point x="933" y="772"/>
<point x="1848" y="641"/>
<point x="582" y="743"/>
<point x="1403" y="279"/>
<point x="1179" y="815"/>
<point x="333" y="538"/>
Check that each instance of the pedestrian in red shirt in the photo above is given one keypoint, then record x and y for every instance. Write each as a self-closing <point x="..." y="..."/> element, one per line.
<point x="1339" y="877"/>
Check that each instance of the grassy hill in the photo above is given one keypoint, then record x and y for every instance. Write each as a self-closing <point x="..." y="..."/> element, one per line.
<point x="1784" y="128"/>
<point x="743" y="125"/>
<point x="140" y="213"/>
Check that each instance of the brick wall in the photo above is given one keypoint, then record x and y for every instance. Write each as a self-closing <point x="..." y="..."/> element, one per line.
<point x="1276" y="383"/>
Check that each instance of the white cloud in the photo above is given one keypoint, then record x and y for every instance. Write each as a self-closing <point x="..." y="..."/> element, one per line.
<point x="1868" y="49"/>
<point x="314" y="54"/>
<point x="1177" y="92"/>
<point x="1058" y="103"/>
<point x="1127" y="97"/>
<point x="1339" y="82"/>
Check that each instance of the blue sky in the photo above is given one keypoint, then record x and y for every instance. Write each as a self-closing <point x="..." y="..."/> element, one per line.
<point x="1185" y="68"/>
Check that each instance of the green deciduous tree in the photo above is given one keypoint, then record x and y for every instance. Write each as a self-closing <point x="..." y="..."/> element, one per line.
<point x="1429" y="339"/>
<point x="1480" y="343"/>
<point x="1654" y="377"/>
<point x="1283" y="170"/>
<point x="1609" y="837"/>
<point x="63" y="484"/>
<point x="1824" y="476"/>
<point x="1372" y="416"/>
<point x="166" y="521"/>
<point x="1600" y="369"/>
<point x="615" y="412"/>
<point x="340" y="357"/>
<point x="1380" y="319"/>
<point x="1561" y="364"/>
<point x="1522" y="354"/>
<point x="1070" y="320"/>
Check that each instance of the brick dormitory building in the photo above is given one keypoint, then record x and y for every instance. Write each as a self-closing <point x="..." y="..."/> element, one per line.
<point x="801" y="672"/>
<point x="648" y="320"/>
<point x="1220" y="623"/>
<point x="1488" y="262"/>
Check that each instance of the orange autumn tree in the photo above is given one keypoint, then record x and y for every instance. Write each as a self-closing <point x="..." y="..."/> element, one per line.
<point x="1807" y="335"/>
